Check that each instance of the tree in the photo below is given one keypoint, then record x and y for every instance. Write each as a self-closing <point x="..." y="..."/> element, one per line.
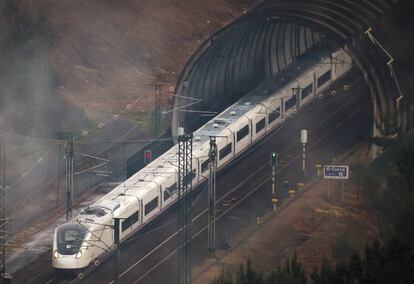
<point x="355" y="267"/>
<point x="325" y="275"/>
<point x="224" y="278"/>
<point x="390" y="263"/>
<point x="372" y="263"/>
<point x="292" y="273"/>
<point x="248" y="275"/>
<point x="405" y="166"/>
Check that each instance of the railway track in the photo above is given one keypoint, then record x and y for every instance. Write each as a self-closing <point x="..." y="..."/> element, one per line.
<point x="163" y="248"/>
<point x="366" y="9"/>
<point x="232" y="199"/>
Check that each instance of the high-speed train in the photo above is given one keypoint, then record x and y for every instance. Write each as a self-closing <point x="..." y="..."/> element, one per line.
<point x="150" y="191"/>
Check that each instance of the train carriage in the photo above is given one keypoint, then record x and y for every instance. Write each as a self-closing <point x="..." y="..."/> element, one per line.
<point x="150" y="191"/>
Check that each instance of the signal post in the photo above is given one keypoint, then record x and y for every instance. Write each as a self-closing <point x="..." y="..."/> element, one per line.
<point x="273" y="163"/>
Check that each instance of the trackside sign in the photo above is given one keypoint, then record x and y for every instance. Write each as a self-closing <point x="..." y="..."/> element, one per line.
<point x="336" y="172"/>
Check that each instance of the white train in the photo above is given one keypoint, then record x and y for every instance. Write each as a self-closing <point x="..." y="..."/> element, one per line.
<point x="153" y="189"/>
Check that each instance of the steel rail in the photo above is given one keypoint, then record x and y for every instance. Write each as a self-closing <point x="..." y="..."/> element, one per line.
<point x="242" y="199"/>
<point x="235" y="188"/>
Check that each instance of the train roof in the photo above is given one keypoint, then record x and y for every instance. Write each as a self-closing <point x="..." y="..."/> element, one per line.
<point x="158" y="171"/>
<point x="262" y="93"/>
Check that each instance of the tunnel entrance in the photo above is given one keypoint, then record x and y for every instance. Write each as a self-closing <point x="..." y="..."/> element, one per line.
<point x="238" y="59"/>
<point x="262" y="43"/>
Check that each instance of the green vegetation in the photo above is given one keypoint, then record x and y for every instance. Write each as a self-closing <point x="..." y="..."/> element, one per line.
<point x="391" y="263"/>
<point x="291" y="273"/>
<point x="343" y="247"/>
<point x="390" y="193"/>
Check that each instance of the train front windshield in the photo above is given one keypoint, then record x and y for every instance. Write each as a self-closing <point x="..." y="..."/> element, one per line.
<point x="70" y="238"/>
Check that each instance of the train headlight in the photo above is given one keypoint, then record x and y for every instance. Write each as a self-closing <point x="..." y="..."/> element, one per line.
<point x="78" y="254"/>
<point x="55" y="254"/>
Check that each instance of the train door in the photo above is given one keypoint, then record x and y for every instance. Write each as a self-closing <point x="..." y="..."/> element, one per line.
<point x="160" y="198"/>
<point x="242" y="134"/>
<point x="306" y="88"/>
<point x="169" y="189"/>
<point x="225" y="150"/>
<point x="141" y="211"/>
<point x="323" y="74"/>
<point x="275" y="114"/>
<point x="151" y="202"/>
<point x="197" y="172"/>
<point x="251" y="130"/>
<point x="258" y="119"/>
<point x="204" y="168"/>
<point x="130" y="222"/>
<point x="341" y="63"/>
<point x="203" y="162"/>
<point x="290" y="98"/>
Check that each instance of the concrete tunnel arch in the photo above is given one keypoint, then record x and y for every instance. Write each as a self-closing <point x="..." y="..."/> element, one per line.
<point x="262" y="43"/>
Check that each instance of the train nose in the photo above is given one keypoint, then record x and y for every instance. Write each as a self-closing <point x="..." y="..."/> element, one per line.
<point x="70" y="261"/>
<point x="66" y="262"/>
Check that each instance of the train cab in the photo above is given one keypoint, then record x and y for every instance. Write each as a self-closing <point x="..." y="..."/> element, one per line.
<point x="68" y="252"/>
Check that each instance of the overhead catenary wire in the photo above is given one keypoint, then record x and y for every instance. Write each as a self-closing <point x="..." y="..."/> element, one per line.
<point x="239" y="201"/>
<point x="352" y="99"/>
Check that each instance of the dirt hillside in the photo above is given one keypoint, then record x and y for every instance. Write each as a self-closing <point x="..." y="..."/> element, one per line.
<point x="316" y="225"/>
<point x="105" y="52"/>
<point x="69" y="65"/>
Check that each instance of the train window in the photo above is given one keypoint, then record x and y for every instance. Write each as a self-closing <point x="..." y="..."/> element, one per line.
<point x="204" y="165"/>
<point x="260" y="125"/>
<point x="69" y="238"/>
<point x="307" y="91"/>
<point x="290" y="103"/>
<point x="274" y="115"/>
<point x="167" y="194"/>
<point x="150" y="206"/>
<point x="242" y="133"/>
<point x="225" y="151"/>
<point x="325" y="77"/>
<point x="169" y="191"/>
<point x="131" y="220"/>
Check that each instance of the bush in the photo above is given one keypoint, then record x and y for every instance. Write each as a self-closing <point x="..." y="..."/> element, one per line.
<point x="391" y="263"/>
<point x="343" y="247"/>
<point x="291" y="273"/>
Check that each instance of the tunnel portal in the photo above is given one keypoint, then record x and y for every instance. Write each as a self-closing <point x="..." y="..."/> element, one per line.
<point x="270" y="37"/>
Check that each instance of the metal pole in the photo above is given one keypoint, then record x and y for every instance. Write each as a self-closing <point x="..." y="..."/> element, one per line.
<point x="273" y="163"/>
<point x="212" y="197"/>
<point x="304" y="140"/>
<point x="185" y="177"/>
<point x="117" y="251"/>
<point x="58" y="174"/>
<point x="67" y="190"/>
<point x="304" y="161"/>
<point x="274" y="199"/>
<point x="3" y="227"/>
<point x="69" y="178"/>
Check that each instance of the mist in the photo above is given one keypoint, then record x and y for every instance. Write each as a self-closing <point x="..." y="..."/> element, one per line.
<point x="28" y="105"/>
